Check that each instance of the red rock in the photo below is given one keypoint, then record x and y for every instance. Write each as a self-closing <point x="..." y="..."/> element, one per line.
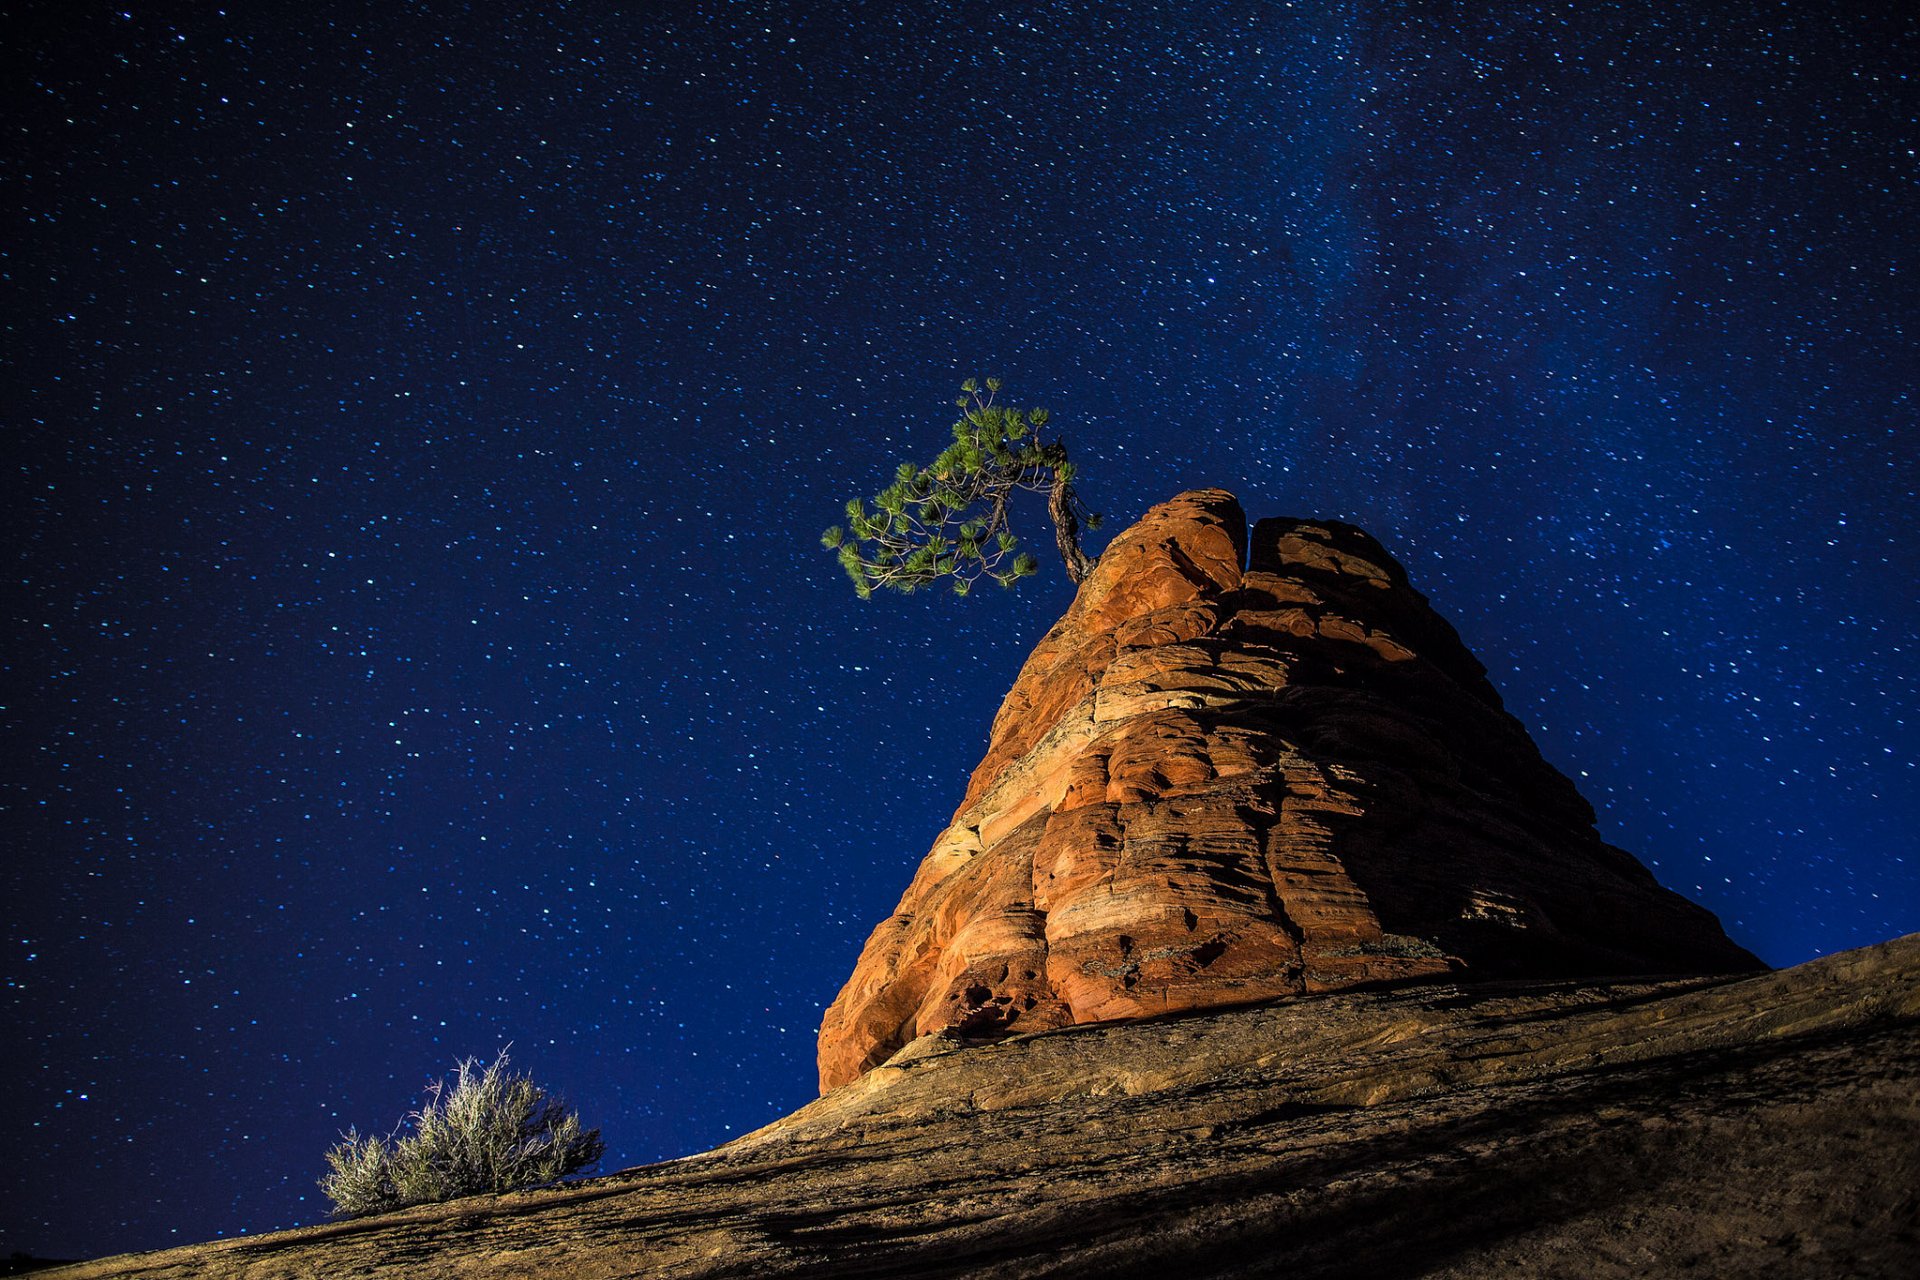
<point x="1211" y="786"/>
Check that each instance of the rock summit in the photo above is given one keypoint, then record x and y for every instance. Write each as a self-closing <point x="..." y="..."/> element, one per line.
<point x="1240" y="768"/>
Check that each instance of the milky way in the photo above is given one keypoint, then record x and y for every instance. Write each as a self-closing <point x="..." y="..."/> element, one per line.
<point x="422" y="416"/>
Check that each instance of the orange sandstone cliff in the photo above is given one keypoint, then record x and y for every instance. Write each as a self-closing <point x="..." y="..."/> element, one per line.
<point x="1214" y="784"/>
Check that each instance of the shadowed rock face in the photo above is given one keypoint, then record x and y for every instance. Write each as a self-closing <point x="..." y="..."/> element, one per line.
<point x="1613" y="1130"/>
<point x="1211" y="785"/>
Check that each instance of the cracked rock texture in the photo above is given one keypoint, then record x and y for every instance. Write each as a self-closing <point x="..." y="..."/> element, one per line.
<point x="1212" y="785"/>
<point x="1760" y="1126"/>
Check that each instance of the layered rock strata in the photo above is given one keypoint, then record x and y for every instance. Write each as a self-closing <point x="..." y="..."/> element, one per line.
<point x="1234" y="773"/>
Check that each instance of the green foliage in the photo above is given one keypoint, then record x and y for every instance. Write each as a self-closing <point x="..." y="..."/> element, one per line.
<point x="360" y="1178"/>
<point x="492" y="1130"/>
<point x="949" y="519"/>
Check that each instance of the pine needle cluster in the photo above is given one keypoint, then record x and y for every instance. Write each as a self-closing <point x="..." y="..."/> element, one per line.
<point x="492" y="1130"/>
<point x="949" y="519"/>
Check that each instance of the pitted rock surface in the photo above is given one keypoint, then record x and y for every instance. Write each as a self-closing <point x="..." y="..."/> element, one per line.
<point x="1212" y="785"/>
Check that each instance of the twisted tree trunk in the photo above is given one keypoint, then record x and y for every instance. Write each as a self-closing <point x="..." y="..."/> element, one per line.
<point x="1066" y="530"/>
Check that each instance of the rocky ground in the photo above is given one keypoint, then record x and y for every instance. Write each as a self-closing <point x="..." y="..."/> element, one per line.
<point x="1717" y="1126"/>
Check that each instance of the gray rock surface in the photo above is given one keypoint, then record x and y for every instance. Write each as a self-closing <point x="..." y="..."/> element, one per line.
<point x="1713" y="1126"/>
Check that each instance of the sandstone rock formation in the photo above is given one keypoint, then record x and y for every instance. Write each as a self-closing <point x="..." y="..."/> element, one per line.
<point x="1213" y="784"/>
<point x="1765" y="1126"/>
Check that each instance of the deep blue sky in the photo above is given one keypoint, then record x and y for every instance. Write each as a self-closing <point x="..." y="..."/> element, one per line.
<point x="420" y="417"/>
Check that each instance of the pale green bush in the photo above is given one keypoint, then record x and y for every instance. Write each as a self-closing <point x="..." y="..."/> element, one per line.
<point x="491" y="1130"/>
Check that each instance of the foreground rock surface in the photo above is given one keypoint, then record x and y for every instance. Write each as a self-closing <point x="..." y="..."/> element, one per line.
<point x="1211" y="785"/>
<point x="1756" y="1126"/>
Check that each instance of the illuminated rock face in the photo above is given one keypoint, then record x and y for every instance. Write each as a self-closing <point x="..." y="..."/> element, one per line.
<point x="1212" y="785"/>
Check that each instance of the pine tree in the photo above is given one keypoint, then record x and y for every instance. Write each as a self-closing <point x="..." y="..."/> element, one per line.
<point x="949" y="519"/>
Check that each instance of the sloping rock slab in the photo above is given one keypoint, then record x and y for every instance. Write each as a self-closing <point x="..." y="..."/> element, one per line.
<point x="1712" y="1126"/>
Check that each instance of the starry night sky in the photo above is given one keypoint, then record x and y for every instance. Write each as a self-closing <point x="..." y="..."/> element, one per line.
<point x="420" y="418"/>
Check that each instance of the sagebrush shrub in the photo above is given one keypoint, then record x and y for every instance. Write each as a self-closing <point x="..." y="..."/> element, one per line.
<point x="491" y="1130"/>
